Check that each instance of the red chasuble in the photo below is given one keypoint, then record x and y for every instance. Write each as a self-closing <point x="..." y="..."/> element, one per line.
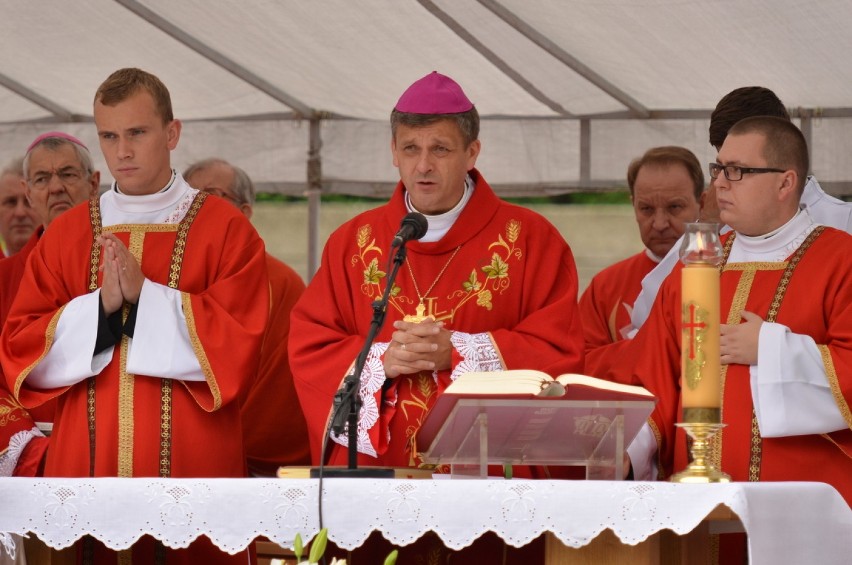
<point x="14" y="418"/>
<point x="503" y="279"/>
<point x="606" y="304"/>
<point x="815" y="300"/>
<point x="274" y="427"/>
<point x="120" y="424"/>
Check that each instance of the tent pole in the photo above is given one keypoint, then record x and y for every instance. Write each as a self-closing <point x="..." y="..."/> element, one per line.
<point x="314" y="194"/>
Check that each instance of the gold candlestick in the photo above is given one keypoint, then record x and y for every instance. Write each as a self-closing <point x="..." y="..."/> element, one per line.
<point x="701" y="253"/>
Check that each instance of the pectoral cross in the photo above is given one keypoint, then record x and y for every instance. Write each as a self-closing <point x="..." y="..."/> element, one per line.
<point x="420" y="313"/>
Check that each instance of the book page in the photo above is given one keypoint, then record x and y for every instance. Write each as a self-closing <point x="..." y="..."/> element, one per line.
<point x="574" y="379"/>
<point x="504" y="382"/>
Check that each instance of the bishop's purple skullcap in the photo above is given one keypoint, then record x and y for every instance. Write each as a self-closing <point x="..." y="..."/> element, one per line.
<point x="434" y="94"/>
<point x="58" y="134"/>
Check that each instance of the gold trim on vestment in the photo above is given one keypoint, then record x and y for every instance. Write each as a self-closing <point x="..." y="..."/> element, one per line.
<point x="750" y="269"/>
<point x="126" y="381"/>
<point x="94" y="268"/>
<point x="125" y="412"/>
<point x="658" y="437"/>
<point x="200" y="353"/>
<point x="831" y="374"/>
<point x="166" y="428"/>
<point x="734" y="315"/>
<point x="141" y="228"/>
<point x="95" y="253"/>
<point x="837" y="445"/>
<point x="49" y="334"/>
<point x="186" y="300"/>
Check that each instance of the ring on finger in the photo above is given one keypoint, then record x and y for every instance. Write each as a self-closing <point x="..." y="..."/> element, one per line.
<point x="403" y="347"/>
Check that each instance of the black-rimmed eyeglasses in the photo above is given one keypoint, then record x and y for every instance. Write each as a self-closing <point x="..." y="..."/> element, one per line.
<point x="734" y="172"/>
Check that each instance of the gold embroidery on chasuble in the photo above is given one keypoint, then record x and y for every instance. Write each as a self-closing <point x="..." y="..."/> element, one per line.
<point x="481" y="288"/>
<point x="10" y="411"/>
<point x="421" y="391"/>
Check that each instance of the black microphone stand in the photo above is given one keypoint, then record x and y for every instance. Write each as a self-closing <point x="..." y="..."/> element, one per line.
<point x="347" y="400"/>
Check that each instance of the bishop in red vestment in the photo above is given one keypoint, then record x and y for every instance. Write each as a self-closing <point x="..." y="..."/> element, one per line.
<point x="491" y="286"/>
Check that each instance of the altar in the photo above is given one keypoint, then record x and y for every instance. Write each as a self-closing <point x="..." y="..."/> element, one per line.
<point x="785" y="522"/>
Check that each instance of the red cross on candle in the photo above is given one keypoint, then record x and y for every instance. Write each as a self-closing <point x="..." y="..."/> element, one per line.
<point x="692" y="325"/>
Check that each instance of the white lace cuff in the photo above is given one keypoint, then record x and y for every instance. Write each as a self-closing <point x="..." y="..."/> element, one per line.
<point x="17" y="443"/>
<point x="372" y="379"/>
<point x="478" y="353"/>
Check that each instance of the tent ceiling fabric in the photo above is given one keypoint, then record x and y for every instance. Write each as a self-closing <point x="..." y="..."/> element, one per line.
<point x="247" y="76"/>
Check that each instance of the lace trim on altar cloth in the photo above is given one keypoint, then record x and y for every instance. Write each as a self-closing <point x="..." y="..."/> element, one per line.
<point x="233" y="512"/>
<point x="372" y="379"/>
<point x="478" y="353"/>
<point x="17" y="443"/>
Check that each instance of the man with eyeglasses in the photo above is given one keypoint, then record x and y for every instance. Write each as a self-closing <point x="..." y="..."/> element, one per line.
<point x="786" y="311"/>
<point x="738" y="104"/>
<point x="272" y="395"/>
<point x="17" y="220"/>
<point x="58" y="174"/>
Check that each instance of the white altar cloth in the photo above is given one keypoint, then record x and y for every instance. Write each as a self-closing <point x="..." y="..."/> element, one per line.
<point x="785" y="522"/>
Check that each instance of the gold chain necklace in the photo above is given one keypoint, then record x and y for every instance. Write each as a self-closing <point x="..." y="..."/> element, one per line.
<point x="420" y="311"/>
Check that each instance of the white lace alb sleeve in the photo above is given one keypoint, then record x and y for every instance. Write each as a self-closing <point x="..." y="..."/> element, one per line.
<point x="372" y="379"/>
<point x="478" y="353"/>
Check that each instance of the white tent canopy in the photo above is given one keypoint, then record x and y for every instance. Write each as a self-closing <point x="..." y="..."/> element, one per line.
<point x="571" y="90"/>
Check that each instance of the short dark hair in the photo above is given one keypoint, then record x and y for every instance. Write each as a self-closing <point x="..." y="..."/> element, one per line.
<point x="124" y="83"/>
<point x="784" y="144"/>
<point x="743" y="103"/>
<point x="669" y="155"/>
<point x="468" y="122"/>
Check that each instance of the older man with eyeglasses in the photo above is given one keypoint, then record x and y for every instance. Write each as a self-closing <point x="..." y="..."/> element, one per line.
<point x="57" y="175"/>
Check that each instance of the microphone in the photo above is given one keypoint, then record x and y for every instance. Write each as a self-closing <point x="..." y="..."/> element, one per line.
<point x="414" y="226"/>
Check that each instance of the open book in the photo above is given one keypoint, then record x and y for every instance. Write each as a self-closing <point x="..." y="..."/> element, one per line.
<point x="528" y="382"/>
<point x="530" y="418"/>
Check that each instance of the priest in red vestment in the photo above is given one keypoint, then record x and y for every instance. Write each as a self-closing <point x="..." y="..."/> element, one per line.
<point x="143" y="314"/>
<point x="274" y="428"/>
<point x="58" y="174"/>
<point x="665" y="188"/>
<point x="786" y="335"/>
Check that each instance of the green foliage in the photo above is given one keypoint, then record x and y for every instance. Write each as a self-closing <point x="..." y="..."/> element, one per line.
<point x="318" y="546"/>
<point x="391" y="558"/>
<point x="298" y="547"/>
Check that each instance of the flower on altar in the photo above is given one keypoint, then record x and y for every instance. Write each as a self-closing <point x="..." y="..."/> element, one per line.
<point x="317" y="548"/>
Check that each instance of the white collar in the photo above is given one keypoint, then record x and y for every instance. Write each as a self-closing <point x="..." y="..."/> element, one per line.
<point x="440" y="224"/>
<point x="776" y="245"/>
<point x="160" y="200"/>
